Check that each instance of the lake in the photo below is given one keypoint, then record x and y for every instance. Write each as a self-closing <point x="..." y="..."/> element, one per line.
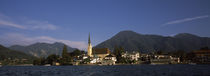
<point x="117" y="70"/>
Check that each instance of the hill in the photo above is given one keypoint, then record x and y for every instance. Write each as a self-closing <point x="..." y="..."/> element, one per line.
<point x="42" y="49"/>
<point x="6" y="53"/>
<point x="132" y="41"/>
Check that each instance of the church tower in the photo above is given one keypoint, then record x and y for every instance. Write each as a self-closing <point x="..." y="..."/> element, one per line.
<point x="89" y="47"/>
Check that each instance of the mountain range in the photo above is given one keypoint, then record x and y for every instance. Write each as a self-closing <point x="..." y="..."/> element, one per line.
<point x="129" y="40"/>
<point x="132" y="41"/>
<point x="6" y="53"/>
<point x="42" y="49"/>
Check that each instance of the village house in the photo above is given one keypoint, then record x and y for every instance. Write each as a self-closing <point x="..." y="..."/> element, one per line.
<point x="164" y="59"/>
<point x="132" y="56"/>
<point x="109" y="60"/>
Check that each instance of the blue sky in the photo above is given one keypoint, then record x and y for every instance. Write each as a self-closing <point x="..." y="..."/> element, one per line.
<point x="25" y="22"/>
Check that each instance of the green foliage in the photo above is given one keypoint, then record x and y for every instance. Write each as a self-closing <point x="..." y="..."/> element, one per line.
<point x="52" y="58"/>
<point x="39" y="61"/>
<point x="160" y="52"/>
<point x="118" y="53"/>
<point x="76" y="52"/>
<point x="64" y="53"/>
<point x="66" y="58"/>
<point x="85" y="61"/>
<point x="204" y="48"/>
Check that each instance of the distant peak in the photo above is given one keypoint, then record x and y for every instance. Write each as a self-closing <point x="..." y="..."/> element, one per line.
<point x="127" y="32"/>
<point x="58" y="43"/>
<point x="185" y="35"/>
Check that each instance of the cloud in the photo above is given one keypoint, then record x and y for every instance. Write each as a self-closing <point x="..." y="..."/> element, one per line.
<point x="44" y="25"/>
<point x="26" y="23"/>
<point x="186" y="20"/>
<point x="11" y="24"/>
<point x="20" y="39"/>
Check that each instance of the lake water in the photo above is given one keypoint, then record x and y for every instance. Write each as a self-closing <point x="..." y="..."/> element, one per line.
<point x="118" y="70"/>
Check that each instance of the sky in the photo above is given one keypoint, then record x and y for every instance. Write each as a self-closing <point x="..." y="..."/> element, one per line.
<point x="24" y="22"/>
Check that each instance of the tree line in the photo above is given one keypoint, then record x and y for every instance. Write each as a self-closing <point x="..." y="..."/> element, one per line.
<point x="65" y="58"/>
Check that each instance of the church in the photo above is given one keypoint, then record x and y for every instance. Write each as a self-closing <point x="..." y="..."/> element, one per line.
<point x="100" y="53"/>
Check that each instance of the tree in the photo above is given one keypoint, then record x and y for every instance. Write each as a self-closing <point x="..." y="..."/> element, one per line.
<point x="66" y="58"/>
<point x="118" y="53"/>
<point x="64" y="53"/>
<point x="204" y="48"/>
<point x="52" y="58"/>
<point x="181" y="54"/>
<point x="39" y="61"/>
<point x="76" y="52"/>
<point x="160" y="52"/>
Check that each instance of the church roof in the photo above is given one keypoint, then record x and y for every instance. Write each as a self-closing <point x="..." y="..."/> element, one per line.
<point x="110" y="55"/>
<point x="101" y="51"/>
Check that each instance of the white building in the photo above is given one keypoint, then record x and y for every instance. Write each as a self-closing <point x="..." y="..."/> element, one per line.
<point x="164" y="59"/>
<point x="109" y="60"/>
<point x="133" y="55"/>
<point x="110" y="57"/>
<point x="95" y="60"/>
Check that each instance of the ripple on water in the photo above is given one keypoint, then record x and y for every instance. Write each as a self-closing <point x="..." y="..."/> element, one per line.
<point x="119" y="70"/>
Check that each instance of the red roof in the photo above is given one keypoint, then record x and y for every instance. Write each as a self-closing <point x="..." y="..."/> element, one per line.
<point x="101" y="51"/>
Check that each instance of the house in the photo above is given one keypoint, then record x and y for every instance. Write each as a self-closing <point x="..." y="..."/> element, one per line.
<point x="110" y="57"/>
<point x="132" y="56"/>
<point x="95" y="60"/>
<point x="109" y="60"/>
<point x="164" y="59"/>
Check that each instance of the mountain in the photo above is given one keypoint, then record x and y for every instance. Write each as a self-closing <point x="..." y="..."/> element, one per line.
<point x="42" y="49"/>
<point x="6" y="53"/>
<point x="132" y="41"/>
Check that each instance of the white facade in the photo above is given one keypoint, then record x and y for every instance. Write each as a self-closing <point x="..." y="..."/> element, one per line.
<point x="132" y="56"/>
<point x="111" y="58"/>
<point x="95" y="60"/>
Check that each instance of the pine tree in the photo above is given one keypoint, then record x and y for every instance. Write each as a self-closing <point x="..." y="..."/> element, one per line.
<point x="64" y="53"/>
<point x="66" y="59"/>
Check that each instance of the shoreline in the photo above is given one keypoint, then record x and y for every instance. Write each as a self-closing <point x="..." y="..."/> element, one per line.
<point x="103" y="65"/>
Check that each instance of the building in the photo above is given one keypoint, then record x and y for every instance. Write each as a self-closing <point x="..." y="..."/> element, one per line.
<point x="101" y="52"/>
<point x="202" y="56"/>
<point x="89" y="47"/>
<point x="132" y="56"/>
<point x="96" y="55"/>
<point x="95" y="60"/>
<point x="109" y="60"/>
<point x="164" y="59"/>
<point x="110" y="57"/>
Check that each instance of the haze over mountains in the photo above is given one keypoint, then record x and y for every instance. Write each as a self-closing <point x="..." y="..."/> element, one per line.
<point x="42" y="49"/>
<point x="132" y="41"/>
